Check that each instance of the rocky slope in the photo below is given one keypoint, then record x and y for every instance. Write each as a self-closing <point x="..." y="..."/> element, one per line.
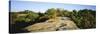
<point x="59" y="23"/>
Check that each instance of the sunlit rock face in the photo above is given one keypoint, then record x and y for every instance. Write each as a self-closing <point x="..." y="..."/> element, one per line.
<point x="57" y="24"/>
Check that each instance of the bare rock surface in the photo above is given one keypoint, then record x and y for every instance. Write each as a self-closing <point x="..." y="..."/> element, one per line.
<point x="59" y="23"/>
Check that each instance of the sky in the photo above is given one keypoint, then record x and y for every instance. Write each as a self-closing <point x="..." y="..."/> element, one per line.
<point x="43" y="6"/>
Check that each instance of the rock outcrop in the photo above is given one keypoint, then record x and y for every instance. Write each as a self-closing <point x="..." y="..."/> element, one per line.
<point x="59" y="23"/>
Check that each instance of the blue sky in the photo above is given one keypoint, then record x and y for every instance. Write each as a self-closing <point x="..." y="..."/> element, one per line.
<point x="42" y="6"/>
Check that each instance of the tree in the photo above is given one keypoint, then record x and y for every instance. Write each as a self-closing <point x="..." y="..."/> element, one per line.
<point x="51" y="13"/>
<point x="84" y="18"/>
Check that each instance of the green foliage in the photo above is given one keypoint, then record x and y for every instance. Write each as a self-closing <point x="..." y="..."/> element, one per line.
<point x="24" y="16"/>
<point x="65" y="13"/>
<point x="84" y="18"/>
<point x="51" y="13"/>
